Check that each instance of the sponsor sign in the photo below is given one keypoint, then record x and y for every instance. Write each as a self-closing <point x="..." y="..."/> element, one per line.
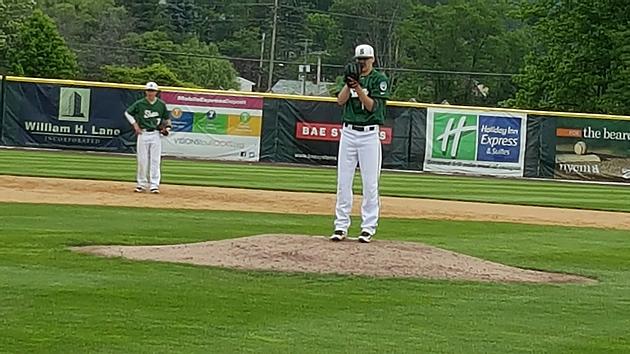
<point x="66" y="117"/>
<point x="332" y="132"/>
<point x="309" y="132"/>
<point x="475" y="142"/>
<point x="592" y="149"/>
<point x="213" y="126"/>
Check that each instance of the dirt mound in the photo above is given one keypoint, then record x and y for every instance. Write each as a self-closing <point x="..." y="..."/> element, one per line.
<point x="308" y="254"/>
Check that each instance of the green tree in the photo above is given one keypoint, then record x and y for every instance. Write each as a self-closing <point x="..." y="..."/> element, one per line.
<point x="616" y="99"/>
<point x="159" y="73"/>
<point x="179" y="18"/>
<point x="243" y="43"/>
<point x="73" y="17"/>
<point x="373" y="22"/>
<point x="101" y="48"/>
<point x="93" y="29"/>
<point x="202" y="69"/>
<point x="192" y="61"/>
<point x="39" y="50"/>
<point x="326" y="36"/>
<point x="581" y="58"/>
<point x="12" y="14"/>
<point x="149" y="47"/>
<point x="464" y="36"/>
<point x="145" y="14"/>
<point x="220" y="20"/>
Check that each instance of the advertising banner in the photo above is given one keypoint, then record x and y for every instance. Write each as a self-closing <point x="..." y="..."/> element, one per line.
<point x="592" y="149"/>
<point x="475" y="142"/>
<point x="50" y="116"/>
<point x="309" y="132"/>
<point x="213" y="126"/>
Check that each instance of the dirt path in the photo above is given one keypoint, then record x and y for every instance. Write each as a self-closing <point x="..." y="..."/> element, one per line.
<point x="88" y="192"/>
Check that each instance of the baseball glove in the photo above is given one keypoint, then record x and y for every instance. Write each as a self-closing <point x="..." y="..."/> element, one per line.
<point x="352" y="71"/>
<point x="165" y="128"/>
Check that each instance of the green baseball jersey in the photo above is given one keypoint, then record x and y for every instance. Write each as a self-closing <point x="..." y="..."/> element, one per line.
<point x="376" y="86"/>
<point x="147" y="115"/>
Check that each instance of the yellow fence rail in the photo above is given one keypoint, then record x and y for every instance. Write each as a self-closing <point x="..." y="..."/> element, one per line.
<point x="313" y="98"/>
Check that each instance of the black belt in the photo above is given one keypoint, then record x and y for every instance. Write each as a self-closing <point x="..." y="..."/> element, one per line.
<point x="360" y="127"/>
<point x="150" y="130"/>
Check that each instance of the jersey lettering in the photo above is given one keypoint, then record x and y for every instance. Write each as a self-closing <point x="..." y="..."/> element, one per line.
<point x="354" y="94"/>
<point x="150" y="114"/>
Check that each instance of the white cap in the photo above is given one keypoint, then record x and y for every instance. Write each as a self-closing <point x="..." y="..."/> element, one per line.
<point x="151" y="86"/>
<point x="364" y="51"/>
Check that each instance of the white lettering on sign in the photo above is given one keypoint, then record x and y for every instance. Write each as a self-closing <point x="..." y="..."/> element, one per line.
<point x="314" y="131"/>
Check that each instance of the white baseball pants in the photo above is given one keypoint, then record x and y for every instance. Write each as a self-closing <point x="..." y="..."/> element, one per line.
<point x="148" y="153"/>
<point x="362" y="148"/>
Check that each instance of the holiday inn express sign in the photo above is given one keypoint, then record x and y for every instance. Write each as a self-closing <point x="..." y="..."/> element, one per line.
<point x="475" y="142"/>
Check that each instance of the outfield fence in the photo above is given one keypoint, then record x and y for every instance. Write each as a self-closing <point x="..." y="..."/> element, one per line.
<point x="248" y="126"/>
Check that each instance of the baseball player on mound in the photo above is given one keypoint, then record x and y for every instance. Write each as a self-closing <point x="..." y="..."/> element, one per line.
<point x="363" y="98"/>
<point x="150" y="119"/>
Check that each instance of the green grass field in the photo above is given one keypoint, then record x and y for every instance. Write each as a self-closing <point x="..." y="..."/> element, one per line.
<point x="53" y="300"/>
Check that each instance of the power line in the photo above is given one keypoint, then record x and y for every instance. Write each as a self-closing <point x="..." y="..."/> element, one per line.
<point x="256" y="20"/>
<point x="238" y="4"/>
<point x="449" y="72"/>
<point x="338" y="14"/>
<point x="250" y="4"/>
<point x="433" y="71"/>
<point x="285" y="62"/>
<point x="307" y="26"/>
<point x="167" y="52"/>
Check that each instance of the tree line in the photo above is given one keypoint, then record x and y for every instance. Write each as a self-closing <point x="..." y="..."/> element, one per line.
<point x="537" y="54"/>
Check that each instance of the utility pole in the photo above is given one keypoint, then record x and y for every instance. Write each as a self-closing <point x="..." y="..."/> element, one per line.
<point x="319" y="70"/>
<point x="306" y="43"/>
<point x="305" y="68"/>
<point x="260" y="67"/>
<point x="319" y="64"/>
<point x="273" y="44"/>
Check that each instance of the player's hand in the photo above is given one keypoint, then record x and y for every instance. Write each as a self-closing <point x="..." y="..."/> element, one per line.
<point x="165" y="131"/>
<point x="353" y="84"/>
<point x="136" y="129"/>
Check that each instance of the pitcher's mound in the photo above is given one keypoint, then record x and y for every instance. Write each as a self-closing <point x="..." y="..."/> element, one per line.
<point x="295" y="253"/>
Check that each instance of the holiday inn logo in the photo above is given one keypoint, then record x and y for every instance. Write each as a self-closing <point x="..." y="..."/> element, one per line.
<point x="454" y="136"/>
<point x="475" y="141"/>
<point x="476" y="137"/>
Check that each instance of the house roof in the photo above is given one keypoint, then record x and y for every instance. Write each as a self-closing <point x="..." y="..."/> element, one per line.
<point x="294" y="87"/>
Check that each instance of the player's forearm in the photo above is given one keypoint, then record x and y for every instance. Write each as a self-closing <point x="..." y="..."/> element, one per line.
<point x="130" y="118"/>
<point x="343" y="96"/>
<point x="366" y="100"/>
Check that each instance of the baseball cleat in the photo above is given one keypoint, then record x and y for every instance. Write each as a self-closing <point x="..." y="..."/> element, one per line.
<point x="155" y="191"/>
<point x="365" y="237"/>
<point x="338" y="235"/>
<point x="139" y="190"/>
